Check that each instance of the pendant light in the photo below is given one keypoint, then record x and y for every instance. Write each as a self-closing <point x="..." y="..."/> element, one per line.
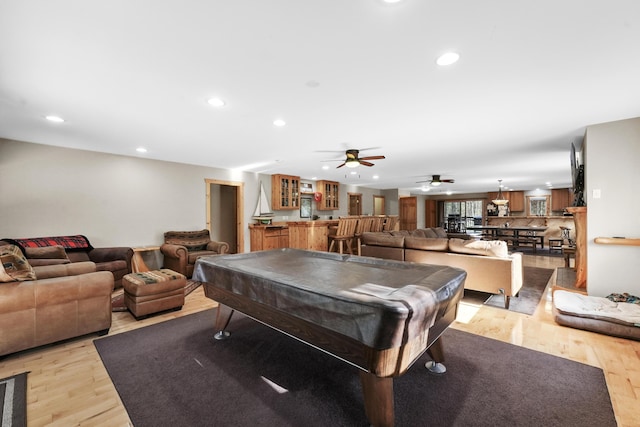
<point x="500" y="200"/>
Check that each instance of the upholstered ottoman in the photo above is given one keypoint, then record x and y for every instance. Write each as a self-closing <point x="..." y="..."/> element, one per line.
<point x="153" y="291"/>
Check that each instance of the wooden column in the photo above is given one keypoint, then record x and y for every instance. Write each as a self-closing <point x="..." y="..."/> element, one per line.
<point x="580" y="220"/>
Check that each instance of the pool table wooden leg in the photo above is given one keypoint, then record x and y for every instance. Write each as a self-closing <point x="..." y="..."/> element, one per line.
<point x="223" y="317"/>
<point x="436" y="351"/>
<point x="378" y="399"/>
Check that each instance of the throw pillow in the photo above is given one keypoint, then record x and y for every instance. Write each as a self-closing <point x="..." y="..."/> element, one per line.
<point x="426" y="243"/>
<point x="440" y="232"/>
<point x="496" y="248"/>
<point x="429" y="232"/>
<point x="46" y="252"/>
<point x="14" y="265"/>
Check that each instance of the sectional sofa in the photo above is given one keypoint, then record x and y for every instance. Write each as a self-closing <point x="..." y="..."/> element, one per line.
<point x="490" y="267"/>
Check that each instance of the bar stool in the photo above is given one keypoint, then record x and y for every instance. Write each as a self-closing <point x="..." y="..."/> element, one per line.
<point x="345" y="234"/>
<point x="568" y="252"/>
<point x="555" y="245"/>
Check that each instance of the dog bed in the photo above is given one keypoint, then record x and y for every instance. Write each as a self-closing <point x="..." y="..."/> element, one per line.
<point x="611" y="316"/>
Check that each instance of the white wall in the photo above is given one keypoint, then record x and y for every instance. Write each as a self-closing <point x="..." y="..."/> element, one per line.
<point x="119" y="200"/>
<point x="113" y="200"/>
<point x="612" y="155"/>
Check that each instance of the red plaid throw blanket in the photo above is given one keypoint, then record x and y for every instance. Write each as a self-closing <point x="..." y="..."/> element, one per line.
<point x="69" y="243"/>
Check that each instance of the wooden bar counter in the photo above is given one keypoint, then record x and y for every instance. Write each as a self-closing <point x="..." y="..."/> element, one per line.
<point x="312" y="235"/>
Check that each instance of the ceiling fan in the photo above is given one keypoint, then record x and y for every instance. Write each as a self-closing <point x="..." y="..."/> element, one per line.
<point x="435" y="180"/>
<point x="353" y="160"/>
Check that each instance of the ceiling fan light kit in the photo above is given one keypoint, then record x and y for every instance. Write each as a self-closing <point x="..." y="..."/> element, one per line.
<point x="436" y="181"/>
<point x="353" y="161"/>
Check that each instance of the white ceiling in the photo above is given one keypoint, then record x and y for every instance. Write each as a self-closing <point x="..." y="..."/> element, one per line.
<point x="341" y="73"/>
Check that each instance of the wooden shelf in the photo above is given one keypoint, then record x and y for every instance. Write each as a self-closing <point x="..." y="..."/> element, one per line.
<point x="617" y="241"/>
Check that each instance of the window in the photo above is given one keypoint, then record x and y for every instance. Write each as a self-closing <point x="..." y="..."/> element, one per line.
<point x="460" y="214"/>
<point x="537" y="206"/>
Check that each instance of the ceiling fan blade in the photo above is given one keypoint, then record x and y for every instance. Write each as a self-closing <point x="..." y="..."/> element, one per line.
<point x="372" y="158"/>
<point x="340" y="165"/>
<point x="451" y="181"/>
<point x="365" y="163"/>
<point x="420" y="182"/>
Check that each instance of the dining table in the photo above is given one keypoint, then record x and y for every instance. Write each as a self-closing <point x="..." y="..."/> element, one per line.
<point x="517" y="234"/>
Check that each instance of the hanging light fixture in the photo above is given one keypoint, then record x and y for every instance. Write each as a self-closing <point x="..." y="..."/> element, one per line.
<point x="500" y="200"/>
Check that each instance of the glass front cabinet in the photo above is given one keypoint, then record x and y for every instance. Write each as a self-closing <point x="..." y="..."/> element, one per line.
<point x="330" y="195"/>
<point x="285" y="192"/>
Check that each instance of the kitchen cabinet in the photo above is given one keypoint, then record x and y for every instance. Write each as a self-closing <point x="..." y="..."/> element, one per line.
<point x="330" y="191"/>
<point x="265" y="237"/>
<point x="561" y="198"/>
<point x="515" y="198"/>
<point x="516" y="201"/>
<point x="285" y="192"/>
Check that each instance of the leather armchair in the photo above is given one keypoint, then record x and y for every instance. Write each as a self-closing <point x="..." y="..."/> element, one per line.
<point x="181" y="249"/>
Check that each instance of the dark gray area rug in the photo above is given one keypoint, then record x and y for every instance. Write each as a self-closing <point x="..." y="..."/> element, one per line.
<point x="175" y="374"/>
<point x="535" y="281"/>
<point x="13" y="401"/>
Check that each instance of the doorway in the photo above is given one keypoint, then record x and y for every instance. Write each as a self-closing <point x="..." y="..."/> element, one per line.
<point x="378" y="205"/>
<point x="355" y="203"/>
<point x="225" y="213"/>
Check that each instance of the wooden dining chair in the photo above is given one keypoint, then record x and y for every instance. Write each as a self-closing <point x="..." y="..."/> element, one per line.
<point x="344" y="235"/>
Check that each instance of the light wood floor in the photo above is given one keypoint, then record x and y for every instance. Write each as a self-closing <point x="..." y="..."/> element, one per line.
<point x="68" y="385"/>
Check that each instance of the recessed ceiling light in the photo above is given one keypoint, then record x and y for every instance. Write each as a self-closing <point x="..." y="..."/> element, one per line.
<point x="55" y="119"/>
<point x="392" y="1"/>
<point x="325" y="167"/>
<point x="216" y="102"/>
<point x="375" y="177"/>
<point x="447" y="59"/>
<point x="279" y="122"/>
<point x="141" y="150"/>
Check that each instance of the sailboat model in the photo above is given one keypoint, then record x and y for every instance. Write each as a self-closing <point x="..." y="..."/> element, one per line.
<point x="263" y="213"/>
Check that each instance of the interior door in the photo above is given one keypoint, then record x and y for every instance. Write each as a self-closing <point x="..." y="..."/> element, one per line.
<point x="408" y="213"/>
<point x="355" y="204"/>
<point x="430" y="213"/>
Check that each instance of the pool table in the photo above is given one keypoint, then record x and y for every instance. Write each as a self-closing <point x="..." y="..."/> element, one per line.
<point x="378" y="315"/>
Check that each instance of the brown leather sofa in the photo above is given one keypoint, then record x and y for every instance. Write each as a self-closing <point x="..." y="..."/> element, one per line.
<point x="70" y="249"/>
<point x="490" y="267"/>
<point x="63" y="301"/>
<point x="181" y="249"/>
